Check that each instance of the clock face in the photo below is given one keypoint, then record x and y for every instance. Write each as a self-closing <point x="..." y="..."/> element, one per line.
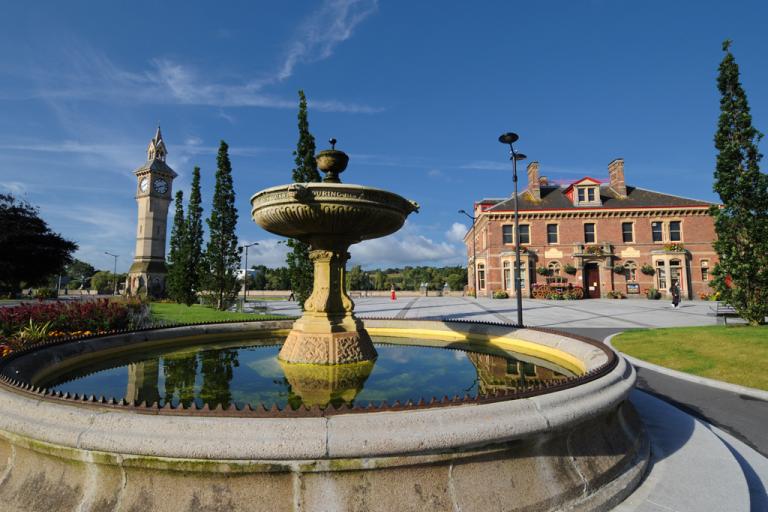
<point x="144" y="184"/>
<point x="160" y="186"/>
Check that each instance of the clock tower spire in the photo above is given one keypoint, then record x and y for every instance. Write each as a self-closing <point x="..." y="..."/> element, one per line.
<point x="153" y="195"/>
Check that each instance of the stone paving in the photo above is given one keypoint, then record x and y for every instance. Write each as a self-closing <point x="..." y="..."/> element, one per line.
<point x="595" y="313"/>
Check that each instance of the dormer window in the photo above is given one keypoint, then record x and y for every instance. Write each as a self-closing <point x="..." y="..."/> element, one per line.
<point x="585" y="192"/>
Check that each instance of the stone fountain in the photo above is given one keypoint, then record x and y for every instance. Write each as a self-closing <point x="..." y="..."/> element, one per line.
<point x="571" y="442"/>
<point x="329" y="216"/>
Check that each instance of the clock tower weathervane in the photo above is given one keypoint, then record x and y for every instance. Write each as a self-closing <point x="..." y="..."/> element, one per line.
<point x="153" y="195"/>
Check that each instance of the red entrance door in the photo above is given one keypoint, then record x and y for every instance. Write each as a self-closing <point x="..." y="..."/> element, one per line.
<point x="592" y="281"/>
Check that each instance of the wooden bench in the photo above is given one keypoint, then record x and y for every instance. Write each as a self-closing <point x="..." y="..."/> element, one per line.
<point x="725" y="310"/>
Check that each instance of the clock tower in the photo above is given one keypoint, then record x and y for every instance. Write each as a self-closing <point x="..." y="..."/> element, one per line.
<point x="153" y="194"/>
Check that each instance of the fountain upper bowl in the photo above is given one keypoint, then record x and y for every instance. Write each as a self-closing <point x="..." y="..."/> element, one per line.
<point x="311" y="211"/>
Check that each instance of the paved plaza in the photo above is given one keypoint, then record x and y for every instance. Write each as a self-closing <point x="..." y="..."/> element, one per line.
<point x="606" y="314"/>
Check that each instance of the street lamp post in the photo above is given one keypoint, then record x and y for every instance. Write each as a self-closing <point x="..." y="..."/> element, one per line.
<point x="114" y="272"/>
<point x="510" y="139"/>
<point x="474" y="264"/>
<point x="245" y="274"/>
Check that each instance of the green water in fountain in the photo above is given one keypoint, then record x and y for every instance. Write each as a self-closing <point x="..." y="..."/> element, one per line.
<point x="249" y="372"/>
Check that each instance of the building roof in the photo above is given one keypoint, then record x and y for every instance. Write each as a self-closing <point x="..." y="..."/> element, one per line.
<point x="554" y="198"/>
<point x="156" y="166"/>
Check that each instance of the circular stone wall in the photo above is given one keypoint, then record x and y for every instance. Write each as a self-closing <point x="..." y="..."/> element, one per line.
<point x="578" y="447"/>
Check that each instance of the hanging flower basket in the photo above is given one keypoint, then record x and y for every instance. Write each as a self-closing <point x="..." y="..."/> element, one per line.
<point x="674" y="247"/>
<point x="569" y="269"/>
<point x="647" y="270"/>
<point x="543" y="271"/>
<point x="593" y="249"/>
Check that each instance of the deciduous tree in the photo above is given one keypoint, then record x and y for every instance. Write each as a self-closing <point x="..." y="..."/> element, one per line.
<point x="29" y="250"/>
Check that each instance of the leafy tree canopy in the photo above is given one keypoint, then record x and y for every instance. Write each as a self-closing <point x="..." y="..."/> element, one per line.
<point x="29" y="250"/>
<point x="741" y="275"/>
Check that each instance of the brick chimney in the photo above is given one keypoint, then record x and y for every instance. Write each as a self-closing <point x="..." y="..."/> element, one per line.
<point x="616" y="174"/>
<point x="533" y="181"/>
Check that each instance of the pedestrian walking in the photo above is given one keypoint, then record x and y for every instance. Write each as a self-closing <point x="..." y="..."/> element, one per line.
<point x="675" y="291"/>
<point x="291" y="296"/>
<point x="392" y="293"/>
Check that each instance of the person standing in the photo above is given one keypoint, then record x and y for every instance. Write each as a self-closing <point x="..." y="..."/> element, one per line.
<point x="675" y="291"/>
<point x="392" y="293"/>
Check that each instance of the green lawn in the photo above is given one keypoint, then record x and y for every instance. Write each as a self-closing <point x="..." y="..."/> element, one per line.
<point x="165" y="312"/>
<point x="736" y="354"/>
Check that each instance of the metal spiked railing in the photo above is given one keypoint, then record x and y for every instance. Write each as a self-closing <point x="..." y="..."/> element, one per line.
<point x="263" y="411"/>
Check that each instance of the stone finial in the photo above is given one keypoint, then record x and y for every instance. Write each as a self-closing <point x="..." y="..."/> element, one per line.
<point x="616" y="175"/>
<point x="332" y="162"/>
<point x="534" y="185"/>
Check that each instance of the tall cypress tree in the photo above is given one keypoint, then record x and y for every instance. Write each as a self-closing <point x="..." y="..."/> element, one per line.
<point x="741" y="275"/>
<point x="222" y="254"/>
<point x="175" y="279"/>
<point x="193" y="241"/>
<point x="299" y="266"/>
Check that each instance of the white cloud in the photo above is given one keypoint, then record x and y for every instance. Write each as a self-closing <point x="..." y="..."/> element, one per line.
<point x="457" y="232"/>
<point x="79" y="71"/>
<point x="323" y="30"/>
<point x="488" y="165"/>
<point x="270" y="252"/>
<point x="14" y="187"/>
<point x="406" y="247"/>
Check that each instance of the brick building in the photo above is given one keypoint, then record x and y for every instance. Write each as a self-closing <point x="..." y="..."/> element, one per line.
<point x="596" y="228"/>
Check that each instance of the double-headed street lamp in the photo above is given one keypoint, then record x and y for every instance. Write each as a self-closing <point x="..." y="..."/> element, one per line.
<point x="474" y="263"/>
<point x="510" y="139"/>
<point x="245" y="274"/>
<point x="114" y="273"/>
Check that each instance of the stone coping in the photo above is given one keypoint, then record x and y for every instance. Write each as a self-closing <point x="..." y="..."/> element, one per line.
<point x="374" y="434"/>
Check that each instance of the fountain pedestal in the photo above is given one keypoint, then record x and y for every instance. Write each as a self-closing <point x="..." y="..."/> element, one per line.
<point x="328" y="332"/>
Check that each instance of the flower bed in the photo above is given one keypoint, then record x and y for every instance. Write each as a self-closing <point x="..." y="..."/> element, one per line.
<point x="555" y="292"/>
<point x="33" y="322"/>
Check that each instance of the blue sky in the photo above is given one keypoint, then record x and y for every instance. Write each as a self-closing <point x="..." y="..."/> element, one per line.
<point x="416" y="92"/>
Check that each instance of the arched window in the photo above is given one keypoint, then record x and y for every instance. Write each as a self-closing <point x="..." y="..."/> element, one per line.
<point x="554" y="268"/>
<point x="507" y="272"/>
<point x="631" y="270"/>
<point x="481" y="276"/>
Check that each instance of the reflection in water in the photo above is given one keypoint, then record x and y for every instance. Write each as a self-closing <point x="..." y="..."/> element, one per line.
<point x="223" y="374"/>
<point x="316" y="384"/>
<point x="217" y="374"/>
<point x="496" y="374"/>
<point x="180" y="376"/>
<point x="142" y="382"/>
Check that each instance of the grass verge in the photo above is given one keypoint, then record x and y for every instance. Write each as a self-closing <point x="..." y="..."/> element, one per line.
<point x="736" y="354"/>
<point x="180" y="313"/>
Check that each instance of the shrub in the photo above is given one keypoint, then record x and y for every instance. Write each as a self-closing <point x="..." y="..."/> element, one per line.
<point x="569" y="269"/>
<point x="557" y="280"/>
<point x="647" y="270"/>
<point x="46" y="293"/>
<point x="653" y="294"/>
<point x="615" y="294"/>
<point x="500" y="294"/>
